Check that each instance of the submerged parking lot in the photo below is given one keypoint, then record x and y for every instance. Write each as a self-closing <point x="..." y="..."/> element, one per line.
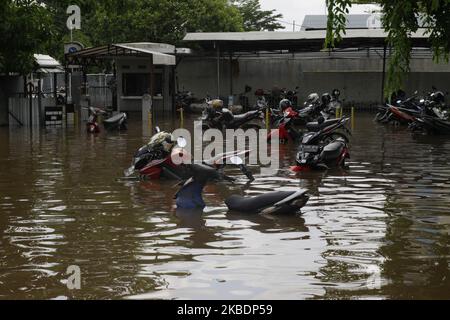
<point x="377" y="230"/>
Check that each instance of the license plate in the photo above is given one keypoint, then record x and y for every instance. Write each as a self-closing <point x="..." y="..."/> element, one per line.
<point x="310" y="148"/>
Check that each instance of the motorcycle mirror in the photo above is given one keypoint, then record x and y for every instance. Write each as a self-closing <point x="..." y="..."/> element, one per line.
<point x="181" y="142"/>
<point x="157" y="129"/>
<point x="248" y="88"/>
<point x="236" y="160"/>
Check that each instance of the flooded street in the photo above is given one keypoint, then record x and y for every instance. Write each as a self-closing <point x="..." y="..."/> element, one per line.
<point x="380" y="229"/>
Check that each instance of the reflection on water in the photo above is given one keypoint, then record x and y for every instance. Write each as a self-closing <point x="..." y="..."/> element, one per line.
<point x="63" y="202"/>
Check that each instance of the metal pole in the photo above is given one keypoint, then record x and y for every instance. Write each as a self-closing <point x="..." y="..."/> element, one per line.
<point x="218" y="71"/>
<point x="30" y="92"/>
<point x="231" y="73"/>
<point x="383" y="74"/>
<point x="39" y="100"/>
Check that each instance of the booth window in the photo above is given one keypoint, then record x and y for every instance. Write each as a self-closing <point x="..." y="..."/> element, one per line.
<point x="138" y="84"/>
<point x="135" y="84"/>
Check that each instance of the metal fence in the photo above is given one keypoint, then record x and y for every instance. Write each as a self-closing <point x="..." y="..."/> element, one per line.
<point x="99" y="91"/>
<point x="19" y="110"/>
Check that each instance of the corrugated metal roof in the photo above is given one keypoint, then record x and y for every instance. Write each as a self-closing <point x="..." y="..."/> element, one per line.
<point x="300" y="41"/>
<point x="280" y="36"/>
<point x="354" y="21"/>
<point x="125" y="50"/>
<point x="46" y="61"/>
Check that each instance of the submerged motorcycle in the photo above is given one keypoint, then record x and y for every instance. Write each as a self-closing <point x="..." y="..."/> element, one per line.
<point x="189" y="196"/>
<point x="163" y="157"/>
<point x="215" y="116"/>
<point x="116" y="122"/>
<point x="325" y="147"/>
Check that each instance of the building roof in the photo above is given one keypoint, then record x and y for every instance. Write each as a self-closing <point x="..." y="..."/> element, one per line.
<point x="299" y="41"/>
<point x="319" y="22"/>
<point x="47" y="64"/>
<point x="162" y="54"/>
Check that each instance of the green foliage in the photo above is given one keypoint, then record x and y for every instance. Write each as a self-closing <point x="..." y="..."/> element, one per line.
<point x="256" y="19"/>
<point x="39" y="26"/>
<point x="160" y="20"/>
<point x="24" y="28"/>
<point x="400" y="20"/>
<point x="337" y="10"/>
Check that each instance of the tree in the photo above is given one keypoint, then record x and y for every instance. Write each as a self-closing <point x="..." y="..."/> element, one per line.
<point x="160" y="20"/>
<point x="24" y="28"/>
<point x="256" y="19"/>
<point x="400" y="20"/>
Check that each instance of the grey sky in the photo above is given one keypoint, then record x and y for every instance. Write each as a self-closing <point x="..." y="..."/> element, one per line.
<point x="297" y="9"/>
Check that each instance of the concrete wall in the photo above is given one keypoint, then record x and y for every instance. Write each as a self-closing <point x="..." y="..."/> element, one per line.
<point x="358" y="75"/>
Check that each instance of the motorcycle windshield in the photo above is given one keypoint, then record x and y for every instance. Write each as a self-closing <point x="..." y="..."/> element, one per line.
<point x="309" y="137"/>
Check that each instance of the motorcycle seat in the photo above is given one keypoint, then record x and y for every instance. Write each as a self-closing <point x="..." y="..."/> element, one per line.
<point x="257" y="203"/>
<point x="114" y="118"/>
<point x="315" y="126"/>
<point x="246" y="115"/>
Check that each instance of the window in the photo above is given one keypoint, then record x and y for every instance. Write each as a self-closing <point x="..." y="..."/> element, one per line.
<point x="135" y="84"/>
<point x="138" y="84"/>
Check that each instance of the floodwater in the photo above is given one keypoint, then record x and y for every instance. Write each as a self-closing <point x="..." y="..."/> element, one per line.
<point x="379" y="230"/>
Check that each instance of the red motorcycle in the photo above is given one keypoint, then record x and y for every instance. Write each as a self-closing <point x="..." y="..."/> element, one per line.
<point x="92" y="125"/>
<point x="164" y="158"/>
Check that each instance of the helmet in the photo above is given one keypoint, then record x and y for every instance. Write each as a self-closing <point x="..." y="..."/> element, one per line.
<point x="438" y="97"/>
<point x="326" y="99"/>
<point x="335" y="93"/>
<point x="284" y="104"/>
<point x="163" y="138"/>
<point x="313" y="98"/>
<point x="216" y="104"/>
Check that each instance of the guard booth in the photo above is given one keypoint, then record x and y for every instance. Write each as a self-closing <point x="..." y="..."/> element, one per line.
<point x="138" y="68"/>
<point x="42" y="102"/>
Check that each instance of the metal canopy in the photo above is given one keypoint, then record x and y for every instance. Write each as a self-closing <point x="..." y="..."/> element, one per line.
<point x="291" y="42"/>
<point x="158" y="51"/>
<point x="299" y="41"/>
<point x="47" y="64"/>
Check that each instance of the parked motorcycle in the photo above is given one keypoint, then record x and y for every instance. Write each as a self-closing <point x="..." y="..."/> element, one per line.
<point x="325" y="147"/>
<point x="283" y="122"/>
<point x="183" y="100"/>
<point x="215" y="116"/>
<point x="116" y="122"/>
<point x="278" y="202"/>
<point x="155" y="159"/>
<point x="92" y="125"/>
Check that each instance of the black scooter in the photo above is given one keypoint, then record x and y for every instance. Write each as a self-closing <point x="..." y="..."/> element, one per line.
<point x="225" y="119"/>
<point x="324" y="147"/>
<point x="189" y="197"/>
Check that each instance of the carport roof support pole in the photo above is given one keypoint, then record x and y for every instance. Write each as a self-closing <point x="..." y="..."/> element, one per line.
<point x="383" y="76"/>
<point x="218" y="70"/>
<point x="231" y="73"/>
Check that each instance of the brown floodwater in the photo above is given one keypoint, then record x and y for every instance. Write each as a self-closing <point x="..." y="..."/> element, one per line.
<point x="379" y="230"/>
